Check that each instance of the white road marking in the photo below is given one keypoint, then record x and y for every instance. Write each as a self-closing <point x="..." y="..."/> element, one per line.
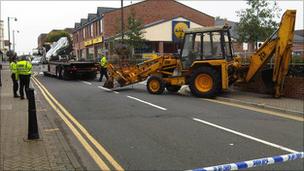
<point x="245" y="135"/>
<point x="151" y="104"/>
<point x="86" y="82"/>
<point x="109" y="90"/>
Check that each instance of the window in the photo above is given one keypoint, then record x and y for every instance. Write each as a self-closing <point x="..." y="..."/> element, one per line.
<point x="83" y="33"/>
<point x="92" y="30"/>
<point x="227" y="46"/>
<point x="101" y="29"/>
<point x="212" y="45"/>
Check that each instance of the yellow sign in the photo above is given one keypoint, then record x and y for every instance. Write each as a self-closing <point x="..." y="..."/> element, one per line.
<point x="88" y="43"/>
<point x="97" y="40"/>
<point x="93" y="41"/>
<point x="179" y="30"/>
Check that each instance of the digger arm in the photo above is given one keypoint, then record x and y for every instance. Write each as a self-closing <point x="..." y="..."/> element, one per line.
<point x="280" y="46"/>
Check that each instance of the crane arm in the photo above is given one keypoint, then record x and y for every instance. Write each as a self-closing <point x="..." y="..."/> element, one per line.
<point x="279" y="46"/>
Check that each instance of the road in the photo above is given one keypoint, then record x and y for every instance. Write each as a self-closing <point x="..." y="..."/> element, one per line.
<point x="173" y="132"/>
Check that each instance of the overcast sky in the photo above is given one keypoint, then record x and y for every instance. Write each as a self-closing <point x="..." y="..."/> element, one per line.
<point x="36" y="17"/>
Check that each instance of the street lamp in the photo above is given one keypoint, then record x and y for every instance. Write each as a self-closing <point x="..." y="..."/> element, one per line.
<point x="14" y="44"/>
<point x="122" y="21"/>
<point x="8" y="25"/>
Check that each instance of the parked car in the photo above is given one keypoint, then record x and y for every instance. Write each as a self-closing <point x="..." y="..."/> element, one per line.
<point x="37" y="60"/>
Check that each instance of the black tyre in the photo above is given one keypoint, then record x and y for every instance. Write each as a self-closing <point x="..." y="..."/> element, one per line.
<point x="64" y="75"/>
<point x="155" y="85"/>
<point x="173" y="88"/>
<point x="205" y="82"/>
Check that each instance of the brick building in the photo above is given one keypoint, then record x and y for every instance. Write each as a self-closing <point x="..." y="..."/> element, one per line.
<point x="93" y="34"/>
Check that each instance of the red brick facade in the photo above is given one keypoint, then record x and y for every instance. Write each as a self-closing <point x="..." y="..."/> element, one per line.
<point x="150" y="11"/>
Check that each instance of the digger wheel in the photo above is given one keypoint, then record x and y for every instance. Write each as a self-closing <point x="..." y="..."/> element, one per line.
<point x="155" y="85"/>
<point x="205" y="82"/>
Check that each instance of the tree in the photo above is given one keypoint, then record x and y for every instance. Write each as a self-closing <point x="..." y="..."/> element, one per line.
<point x="54" y="36"/>
<point x="257" y="22"/>
<point x="134" y="35"/>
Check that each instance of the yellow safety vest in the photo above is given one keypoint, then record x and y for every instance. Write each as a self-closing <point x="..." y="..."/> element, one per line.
<point x="103" y="62"/>
<point x="13" y="67"/>
<point x="24" y="68"/>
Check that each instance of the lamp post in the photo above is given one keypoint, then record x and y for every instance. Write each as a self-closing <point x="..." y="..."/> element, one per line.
<point x="14" y="43"/>
<point x="122" y="22"/>
<point x="8" y="25"/>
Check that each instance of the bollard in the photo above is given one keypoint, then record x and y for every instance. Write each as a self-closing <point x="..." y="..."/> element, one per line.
<point x="32" y="117"/>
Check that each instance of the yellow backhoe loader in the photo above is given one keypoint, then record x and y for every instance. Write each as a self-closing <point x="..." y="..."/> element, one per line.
<point x="207" y="63"/>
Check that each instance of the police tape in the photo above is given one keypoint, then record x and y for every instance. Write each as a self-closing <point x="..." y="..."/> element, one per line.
<point x="254" y="163"/>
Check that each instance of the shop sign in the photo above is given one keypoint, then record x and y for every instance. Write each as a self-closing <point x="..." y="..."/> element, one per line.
<point x="97" y="40"/>
<point x="88" y="43"/>
<point x="178" y="30"/>
<point x="93" y="41"/>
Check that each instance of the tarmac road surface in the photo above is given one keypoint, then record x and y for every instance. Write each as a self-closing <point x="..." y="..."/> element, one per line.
<point x="173" y="132"/>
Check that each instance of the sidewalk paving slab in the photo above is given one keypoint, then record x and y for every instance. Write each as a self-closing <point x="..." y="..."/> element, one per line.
<point x="50" y="152"/>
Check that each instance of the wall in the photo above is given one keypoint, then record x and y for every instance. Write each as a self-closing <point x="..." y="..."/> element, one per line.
<point x="293" y="86"/>
<point x="152" y="11"/>
<point x="163" y="31"/>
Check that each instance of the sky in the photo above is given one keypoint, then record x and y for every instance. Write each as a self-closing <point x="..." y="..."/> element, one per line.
<point x="36" y="17"/>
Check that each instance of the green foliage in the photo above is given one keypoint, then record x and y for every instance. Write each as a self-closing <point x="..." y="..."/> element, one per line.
<point x="54" y="36"/>
<point x="134" y="35"/>
<point x="258" y="21"/>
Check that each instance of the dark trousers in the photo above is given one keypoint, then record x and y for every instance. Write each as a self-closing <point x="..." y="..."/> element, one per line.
<point x="15" y="84"/>
<point x="24" y="83"/>
<point x="103" y="72"/>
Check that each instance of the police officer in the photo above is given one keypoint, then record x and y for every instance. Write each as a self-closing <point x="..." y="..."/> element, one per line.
<point x="14" y="76"/>
<point x="103" y="67"/>
<point x="24" y="71"/>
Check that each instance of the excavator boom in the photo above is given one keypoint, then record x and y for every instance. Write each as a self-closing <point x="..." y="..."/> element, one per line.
<point x="278" y="45"/>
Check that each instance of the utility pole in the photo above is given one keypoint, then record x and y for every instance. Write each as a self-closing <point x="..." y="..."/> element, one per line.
<point x="9" y="30"/>
<point x="122" y="22"/>
<point x="9" y="37"/>
<point x="14" y="43"/>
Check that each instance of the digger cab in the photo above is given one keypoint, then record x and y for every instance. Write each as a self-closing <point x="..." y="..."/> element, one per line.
<point x="206" y="43"/>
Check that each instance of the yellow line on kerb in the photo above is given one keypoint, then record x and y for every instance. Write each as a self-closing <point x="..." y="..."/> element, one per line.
<point x="85" y="144"/>
<point x="102" y="150"/>
<point x="296" y="118"/>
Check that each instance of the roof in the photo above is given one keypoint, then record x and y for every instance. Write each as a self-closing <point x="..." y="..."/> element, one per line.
<point x="298" y="39"/>
<point x="206" y="29"/>
<point x="91" y="16"/>
<point x="83" y="21"/>
<point x="299" y="32"/>
<point x="102" y="10"/>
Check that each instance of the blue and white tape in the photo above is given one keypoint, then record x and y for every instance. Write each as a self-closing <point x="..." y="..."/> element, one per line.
<point x="254" y="163"/>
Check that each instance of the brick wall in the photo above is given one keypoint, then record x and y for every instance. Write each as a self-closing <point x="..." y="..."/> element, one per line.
<point x="150" y="11"/>
<point x="293" y="86"/>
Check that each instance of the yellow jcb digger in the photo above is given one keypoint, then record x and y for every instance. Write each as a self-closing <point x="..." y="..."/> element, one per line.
<point x="207" y="63"/>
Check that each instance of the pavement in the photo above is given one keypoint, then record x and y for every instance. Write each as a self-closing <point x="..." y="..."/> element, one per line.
<point x="51" y="152"/>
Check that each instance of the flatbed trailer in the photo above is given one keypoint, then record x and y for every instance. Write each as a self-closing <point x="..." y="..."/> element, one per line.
<point x="71" y="69"/>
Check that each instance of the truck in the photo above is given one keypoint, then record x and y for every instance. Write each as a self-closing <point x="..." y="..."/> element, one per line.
<point x="207" y="63"/>
<point x="58" y="62"/>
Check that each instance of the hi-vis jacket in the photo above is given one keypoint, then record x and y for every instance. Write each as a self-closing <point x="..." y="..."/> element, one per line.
<point x="103" y="62"/>
<point x="24" y="68"/>
<point x="13" y="67"/>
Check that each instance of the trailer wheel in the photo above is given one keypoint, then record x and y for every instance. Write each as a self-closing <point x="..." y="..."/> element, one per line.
<point x="63" y="74"/>
<point x="172" y="88"/>
<point x="205" y="82"/>
<point x="155" y="85"/>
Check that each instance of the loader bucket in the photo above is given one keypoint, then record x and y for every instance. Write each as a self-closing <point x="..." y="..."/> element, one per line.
<point x="109" y="84"/>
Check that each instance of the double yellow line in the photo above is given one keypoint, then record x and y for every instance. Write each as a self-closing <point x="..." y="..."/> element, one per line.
<point x="70" y="121"/>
